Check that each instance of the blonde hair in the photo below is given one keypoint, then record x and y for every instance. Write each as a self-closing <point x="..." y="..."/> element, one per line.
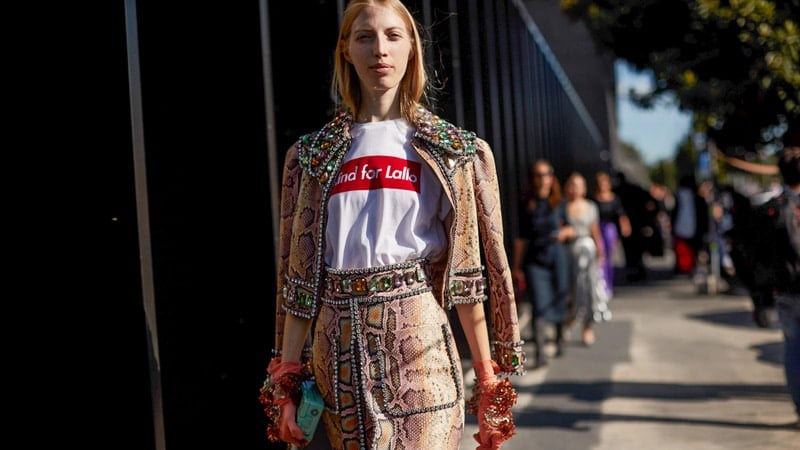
<point x="574" y="178"/>
<point x="345" y="84"/>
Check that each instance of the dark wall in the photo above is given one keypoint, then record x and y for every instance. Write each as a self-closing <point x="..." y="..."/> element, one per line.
<point x="85" y="298"/>
<point x="303" y="37"/>
<point x="590" y="70"/>
<point x="213" y="257"/>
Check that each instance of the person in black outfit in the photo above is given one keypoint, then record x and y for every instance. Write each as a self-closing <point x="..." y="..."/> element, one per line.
<point x="743" y="238"/>
<point x="776" y="255"/>
<point x="614" y="223"/>
<point x="540" y="261"/>
<point x="641" y="209"/>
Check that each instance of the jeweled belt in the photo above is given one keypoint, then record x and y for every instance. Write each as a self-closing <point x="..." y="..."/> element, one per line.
<point x="406" y="278"/>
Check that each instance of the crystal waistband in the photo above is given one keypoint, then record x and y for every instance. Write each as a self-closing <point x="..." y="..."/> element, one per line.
<point x="394" y="279"/>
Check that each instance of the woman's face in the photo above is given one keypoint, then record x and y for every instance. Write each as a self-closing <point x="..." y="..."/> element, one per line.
<point x="543" y="178"/>
<point x="575" y="187"/>
<point x="603" y="183"/>
<point x="379" y="48"/>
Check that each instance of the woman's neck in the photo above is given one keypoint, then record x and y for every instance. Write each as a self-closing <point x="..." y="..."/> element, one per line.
<point x="378" y="108"/>
<point x="604" y="195"/>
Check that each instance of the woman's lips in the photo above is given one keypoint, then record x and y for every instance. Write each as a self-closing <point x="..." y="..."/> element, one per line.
<point x="380" y="68"/>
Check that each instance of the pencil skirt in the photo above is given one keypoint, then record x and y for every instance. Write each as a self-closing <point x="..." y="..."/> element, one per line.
<point x="389" y="372"/>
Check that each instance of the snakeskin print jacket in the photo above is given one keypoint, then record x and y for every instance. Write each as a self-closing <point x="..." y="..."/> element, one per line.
<point x="464" y="165"/>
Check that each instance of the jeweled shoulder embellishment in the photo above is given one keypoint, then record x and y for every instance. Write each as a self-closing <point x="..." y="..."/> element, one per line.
<point x="317" y="151"/>
<point x="443" y="137"/>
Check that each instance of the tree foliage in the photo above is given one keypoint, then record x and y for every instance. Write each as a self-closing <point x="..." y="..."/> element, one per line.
<point x="734" y="63"/>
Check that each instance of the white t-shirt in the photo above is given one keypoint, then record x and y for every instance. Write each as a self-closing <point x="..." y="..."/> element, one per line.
<point x="386" y="205"/>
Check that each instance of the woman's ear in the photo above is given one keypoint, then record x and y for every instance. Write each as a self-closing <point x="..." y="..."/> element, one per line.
<point x="342" y="45"/>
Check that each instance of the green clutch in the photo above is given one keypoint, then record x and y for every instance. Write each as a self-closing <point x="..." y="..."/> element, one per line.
<point x="310" y="409"/>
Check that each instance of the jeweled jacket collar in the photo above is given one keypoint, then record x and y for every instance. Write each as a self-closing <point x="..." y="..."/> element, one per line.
<point x="320" y="151"/>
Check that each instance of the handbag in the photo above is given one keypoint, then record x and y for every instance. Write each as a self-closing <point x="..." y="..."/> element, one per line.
<point x="310" y="409"/>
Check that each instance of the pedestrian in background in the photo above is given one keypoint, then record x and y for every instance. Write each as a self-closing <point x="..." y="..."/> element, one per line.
<point x="614" y="223"/>
<point x="640" y="208"/>
<point x="382" y="211"/>
<point x="664" y="203"/>
<point x="742" y="238"/>
<point x="539" y="258"/>
<point x="586" y="253"/>
<point x="776" y="252"/>
<point x="689" y="225"/>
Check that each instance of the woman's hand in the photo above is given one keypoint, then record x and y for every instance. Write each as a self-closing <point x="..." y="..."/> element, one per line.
<point x="495" y="423"/>
<point x="565" y="233"/>
<point x="279" y="397"/>
<point x="288" y="430"/>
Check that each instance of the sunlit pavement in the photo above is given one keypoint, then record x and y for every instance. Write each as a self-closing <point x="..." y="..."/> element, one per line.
<point x="674" y="369"/>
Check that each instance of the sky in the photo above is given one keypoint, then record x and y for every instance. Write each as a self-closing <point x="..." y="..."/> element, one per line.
<point x="655" y="132"/>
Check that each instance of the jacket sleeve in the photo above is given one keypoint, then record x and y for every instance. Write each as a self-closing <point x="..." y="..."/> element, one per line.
<point x="290" y="188"/>
<point x="506" y="343"/>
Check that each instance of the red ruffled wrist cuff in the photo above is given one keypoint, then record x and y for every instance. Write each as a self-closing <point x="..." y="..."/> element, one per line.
<point x="282" y="385"/>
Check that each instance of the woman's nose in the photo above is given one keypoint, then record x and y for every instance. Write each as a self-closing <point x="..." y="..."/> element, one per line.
<point x="380" y="46"/>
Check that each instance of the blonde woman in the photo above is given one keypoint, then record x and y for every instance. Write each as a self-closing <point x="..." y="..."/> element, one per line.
<point x="380" y="213"/>
<point x="587" y="254"/>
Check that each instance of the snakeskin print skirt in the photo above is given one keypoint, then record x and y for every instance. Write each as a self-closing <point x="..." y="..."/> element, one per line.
<point x="386" y="362"/>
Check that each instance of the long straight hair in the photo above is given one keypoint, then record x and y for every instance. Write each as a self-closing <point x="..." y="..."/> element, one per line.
<point x="346" y="85"/>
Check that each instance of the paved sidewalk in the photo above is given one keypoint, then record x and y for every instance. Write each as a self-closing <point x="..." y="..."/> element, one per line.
<point x="674" y="369"/>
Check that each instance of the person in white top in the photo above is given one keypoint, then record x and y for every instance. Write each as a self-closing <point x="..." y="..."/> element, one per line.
<point x="589" y="296"/>
<point x="389" y="217"/>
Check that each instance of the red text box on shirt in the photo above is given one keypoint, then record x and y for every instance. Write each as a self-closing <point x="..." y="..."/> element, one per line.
<point x="378" y="172"/>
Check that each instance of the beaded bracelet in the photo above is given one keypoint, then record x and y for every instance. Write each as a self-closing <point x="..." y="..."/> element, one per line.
<point x="510" y="356"/>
